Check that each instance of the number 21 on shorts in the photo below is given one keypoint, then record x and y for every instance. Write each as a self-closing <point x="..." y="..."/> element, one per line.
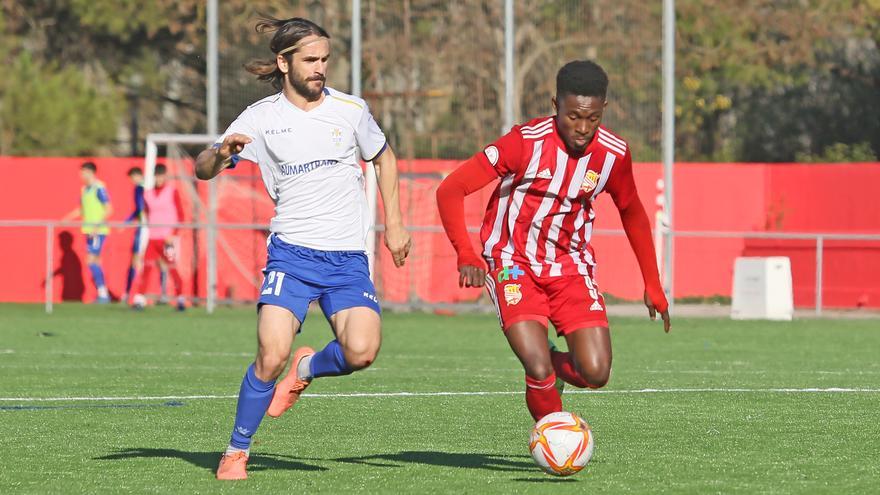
<point x="273" y="284"/>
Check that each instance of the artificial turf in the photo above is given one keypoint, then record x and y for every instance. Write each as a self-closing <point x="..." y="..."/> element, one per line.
<point x="734" y="407"/>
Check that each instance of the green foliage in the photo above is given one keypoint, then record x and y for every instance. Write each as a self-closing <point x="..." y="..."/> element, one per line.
<point x="772" y="81"/>
<point x="841" y="153"/>
<point x="755" y="81"/>
<point x="47" y="110"/>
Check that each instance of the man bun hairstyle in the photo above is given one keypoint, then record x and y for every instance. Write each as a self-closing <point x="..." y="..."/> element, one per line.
<point x="285" y="41"/>
<point x="581" y="78"/>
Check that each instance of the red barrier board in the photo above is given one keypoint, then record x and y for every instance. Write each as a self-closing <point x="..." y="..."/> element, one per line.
<point x="814" y="198"/>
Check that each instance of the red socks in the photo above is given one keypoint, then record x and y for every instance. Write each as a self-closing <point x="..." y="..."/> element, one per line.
<point x="565" y="369"/>
<point x="176" y="280"/>
<point x="144" y="278"/>
<point x="542" y="397"/>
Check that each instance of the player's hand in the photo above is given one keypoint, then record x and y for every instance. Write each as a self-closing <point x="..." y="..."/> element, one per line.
<point x="398" y="242"/>
<point x="652" y="312"/>
<point x="471" y="276"/>
<point x="232" y="145"/>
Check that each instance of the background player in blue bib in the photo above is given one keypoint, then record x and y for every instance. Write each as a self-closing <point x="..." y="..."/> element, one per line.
<point x="308" y="141"/>
<point x="94" y="210"/>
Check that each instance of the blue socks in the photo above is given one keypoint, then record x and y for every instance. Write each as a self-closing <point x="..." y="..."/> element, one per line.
<point x="255" y="395"/>
<point x="130" y="279"/>
<point x="97" y="275"/>
<point x="329" y="361"/>
<point x="254" y="398"/>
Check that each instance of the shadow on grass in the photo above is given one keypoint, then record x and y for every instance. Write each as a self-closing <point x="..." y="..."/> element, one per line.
<point x="449" y="459"/>
<point x="209" y="460"/>
<point x="546" y="479"/>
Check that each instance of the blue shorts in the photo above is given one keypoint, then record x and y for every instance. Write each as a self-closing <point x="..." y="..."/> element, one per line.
<point x="95" y="243"/>
<point x="296" y="276"/>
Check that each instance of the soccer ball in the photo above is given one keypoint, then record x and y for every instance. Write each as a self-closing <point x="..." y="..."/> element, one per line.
<point x="561" y="443"/>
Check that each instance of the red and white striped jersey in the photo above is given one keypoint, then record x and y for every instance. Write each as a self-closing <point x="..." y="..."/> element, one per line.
<point x="541" y="214"/>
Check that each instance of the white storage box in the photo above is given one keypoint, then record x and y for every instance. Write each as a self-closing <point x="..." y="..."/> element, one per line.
<point x="762" y="289"/>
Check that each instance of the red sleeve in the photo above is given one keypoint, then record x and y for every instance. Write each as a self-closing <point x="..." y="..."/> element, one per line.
<point x="504" y="156"/>
<point x="470" y="176"/>
<point x="178" y="205"/>
<point x="622" y="185"/>
<point x="635" y="221"/>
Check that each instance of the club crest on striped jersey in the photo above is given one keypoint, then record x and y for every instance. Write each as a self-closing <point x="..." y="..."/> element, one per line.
<point x="512" y="294"/>
<point x="591" y="180"/>
<point x="492" y="154"/>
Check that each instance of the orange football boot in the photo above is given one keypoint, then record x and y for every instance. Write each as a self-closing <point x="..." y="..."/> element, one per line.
<point x="288" y="390"/>
<point x="233" y="466"/>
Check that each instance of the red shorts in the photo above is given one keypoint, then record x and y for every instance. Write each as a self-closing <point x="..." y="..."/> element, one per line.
<point x="570" y="302"/>
<point x="157" y="249"/>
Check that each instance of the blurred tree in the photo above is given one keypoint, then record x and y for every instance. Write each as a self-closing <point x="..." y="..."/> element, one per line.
<point x="756" y="81"/>
<point x="103" y="46"/>
<point x="767" y="80"/>
<point x="840" y="153"/>
<point x="47" y="110"/>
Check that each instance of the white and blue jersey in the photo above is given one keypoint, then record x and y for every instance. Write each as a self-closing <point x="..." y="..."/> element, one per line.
<point x="310" y="166"/>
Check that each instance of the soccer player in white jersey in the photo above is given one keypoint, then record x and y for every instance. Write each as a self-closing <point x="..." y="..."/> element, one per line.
<point x="307" y="140"/>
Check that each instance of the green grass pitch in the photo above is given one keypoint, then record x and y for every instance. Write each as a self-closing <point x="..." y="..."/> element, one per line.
<point x="730" y="410"/>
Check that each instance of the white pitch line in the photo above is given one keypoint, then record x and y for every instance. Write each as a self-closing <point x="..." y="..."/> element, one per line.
<point x="448" y="394"/>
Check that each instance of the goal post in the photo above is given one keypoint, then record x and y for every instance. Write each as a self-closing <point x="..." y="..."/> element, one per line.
<point x="176" y="146"/>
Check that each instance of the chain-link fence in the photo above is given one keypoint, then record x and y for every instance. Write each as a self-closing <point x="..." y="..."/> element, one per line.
<point x="433" y="72"/>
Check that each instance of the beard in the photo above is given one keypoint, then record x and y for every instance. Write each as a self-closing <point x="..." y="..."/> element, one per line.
<point x="301" y="85"/>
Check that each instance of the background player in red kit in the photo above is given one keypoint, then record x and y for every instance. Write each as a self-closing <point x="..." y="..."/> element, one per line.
<point x="536" y="234"/>
<point x="164" y="209"/>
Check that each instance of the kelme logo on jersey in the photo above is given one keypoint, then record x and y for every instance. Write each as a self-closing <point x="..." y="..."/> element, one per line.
<point x="591" y="180"/>
<point x="512" y="294"/>
<point x="275" y="132"/>
<point x="510" y="272"/>
<point x="492" y="154"/>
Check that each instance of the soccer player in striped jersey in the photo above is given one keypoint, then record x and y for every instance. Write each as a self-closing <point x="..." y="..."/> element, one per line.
<point x="94" y="209"/>
<point x="308" y="141"/>
<point x="536" y="235"/>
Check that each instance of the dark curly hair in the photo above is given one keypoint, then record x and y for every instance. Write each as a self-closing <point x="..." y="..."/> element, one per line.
<point x="581" y="78"/>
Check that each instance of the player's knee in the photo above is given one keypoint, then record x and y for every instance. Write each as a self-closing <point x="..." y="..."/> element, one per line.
<point x="539" y="370"/>
<point x="358" y="359"/>
<point x="270" y="365"/>
<point x="596" y="372"/>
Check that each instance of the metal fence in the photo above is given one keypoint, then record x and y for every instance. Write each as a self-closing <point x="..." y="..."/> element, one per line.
<point x="819" y="240"/>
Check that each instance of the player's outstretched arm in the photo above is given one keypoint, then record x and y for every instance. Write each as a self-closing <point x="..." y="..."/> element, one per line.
<point x="397" y="239"/>
<point x="214" y="160"/>
<point x="469" y="177"/>
<point x="638" y="231"/>
<point x="72" y="214"/>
